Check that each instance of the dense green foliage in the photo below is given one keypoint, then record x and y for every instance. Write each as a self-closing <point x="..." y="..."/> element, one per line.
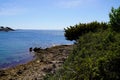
<point x="73" y="32"/>
<point x="96" y="55"/>
<point x="115" y="19"/>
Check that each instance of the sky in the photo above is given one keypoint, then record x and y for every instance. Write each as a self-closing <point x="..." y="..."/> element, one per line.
<point x="53" y="14"/>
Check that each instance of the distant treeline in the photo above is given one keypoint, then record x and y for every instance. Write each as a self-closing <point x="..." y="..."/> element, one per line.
<point x="2" y="28"/>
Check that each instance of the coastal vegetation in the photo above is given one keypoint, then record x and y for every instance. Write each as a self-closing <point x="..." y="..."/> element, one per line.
<point x="115" y="19"/>
<point x="96" y="54"/>
<point x="6" y="29"/>
<point x="74" y="32"/>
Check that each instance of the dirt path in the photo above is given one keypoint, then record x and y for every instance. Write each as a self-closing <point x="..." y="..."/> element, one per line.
<point x="47" y="61"/>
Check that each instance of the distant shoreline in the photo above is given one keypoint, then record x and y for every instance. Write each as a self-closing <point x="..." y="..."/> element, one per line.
<point x="6" y="29"/>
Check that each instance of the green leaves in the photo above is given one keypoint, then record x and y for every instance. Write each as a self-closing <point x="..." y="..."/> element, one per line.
<point x="115" y="19"/>
<point x="97" y="52"/>
<point x="74" y="32"/>
<point x="95" y="57"/>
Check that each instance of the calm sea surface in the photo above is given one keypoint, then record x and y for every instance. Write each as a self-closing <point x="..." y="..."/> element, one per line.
<point x="14" y="45"/>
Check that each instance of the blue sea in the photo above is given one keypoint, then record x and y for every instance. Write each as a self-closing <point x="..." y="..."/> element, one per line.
<point x="14" y="45"/>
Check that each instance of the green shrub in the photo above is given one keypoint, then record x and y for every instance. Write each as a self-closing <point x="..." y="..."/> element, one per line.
<point x="97" y="52"/>
<point x="95" y="57"/>
<point x="115" y="19"/>
<point x="73" y="32"/>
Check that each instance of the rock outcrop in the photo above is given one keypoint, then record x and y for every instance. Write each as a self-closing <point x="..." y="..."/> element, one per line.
<point x="47" y="61"/>
<point x="6" y="29"/>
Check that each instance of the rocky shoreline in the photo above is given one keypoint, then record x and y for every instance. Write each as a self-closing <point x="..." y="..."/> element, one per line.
<point x="47" y="61"/>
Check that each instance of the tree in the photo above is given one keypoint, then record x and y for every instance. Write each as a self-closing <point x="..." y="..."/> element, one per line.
<point x="74" y="32"/>
<point x="115" y="19"/>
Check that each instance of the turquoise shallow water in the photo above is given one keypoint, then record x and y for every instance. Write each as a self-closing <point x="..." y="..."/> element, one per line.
<point x="14" y="45"/>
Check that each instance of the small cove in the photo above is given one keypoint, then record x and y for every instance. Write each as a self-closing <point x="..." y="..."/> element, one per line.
<point x="14" y="45"/>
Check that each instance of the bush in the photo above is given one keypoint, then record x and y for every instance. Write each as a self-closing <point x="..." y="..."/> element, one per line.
<point x="73" y="32"/>
<point x="97" y="52"/>
<point x="95" y="57"/>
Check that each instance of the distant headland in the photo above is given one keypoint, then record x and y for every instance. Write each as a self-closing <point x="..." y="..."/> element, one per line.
<point x="6" y="29"/>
